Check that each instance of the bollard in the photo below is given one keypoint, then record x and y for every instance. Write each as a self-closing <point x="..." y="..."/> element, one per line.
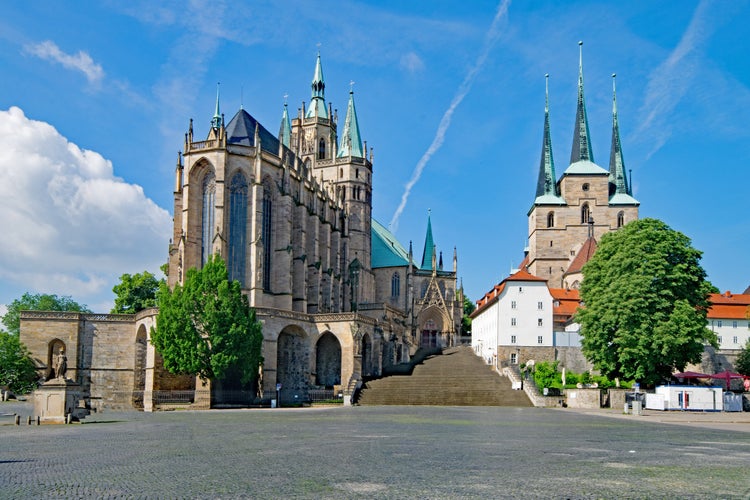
<point x="18" y="419"/>
<point x="38" y="420"/>
<point x="68" y="418"/>
<point x="625" y="410"/>
<point x="28" y="420"/>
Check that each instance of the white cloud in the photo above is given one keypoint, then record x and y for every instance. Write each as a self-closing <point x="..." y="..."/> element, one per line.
<point x="82" y="61"/>
<point x="412" y="63"/>
<point x="69" y="226"/>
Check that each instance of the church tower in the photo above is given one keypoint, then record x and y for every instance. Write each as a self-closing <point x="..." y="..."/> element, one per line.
<point x="587" y="202"/>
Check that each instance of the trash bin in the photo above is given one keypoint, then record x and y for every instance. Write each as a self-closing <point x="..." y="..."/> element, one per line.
<point x="636" y="407"/>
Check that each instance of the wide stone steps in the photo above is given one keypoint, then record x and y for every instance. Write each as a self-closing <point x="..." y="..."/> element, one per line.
<point x="457" y="377"/>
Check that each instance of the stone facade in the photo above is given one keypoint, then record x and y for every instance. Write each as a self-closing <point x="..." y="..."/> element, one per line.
<point x="291" y="214"/>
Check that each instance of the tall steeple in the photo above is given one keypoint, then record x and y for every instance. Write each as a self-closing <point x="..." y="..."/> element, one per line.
<point x="619" y="190"/>
<point x="581" y="144"/>
<point x="318" y="98"/>
<point x="285" y="129"/>
<point x="546" y="186"/>
<point x="216" y="120"/>
<point x="428" y="255"/>
<point x="350" y="143"/>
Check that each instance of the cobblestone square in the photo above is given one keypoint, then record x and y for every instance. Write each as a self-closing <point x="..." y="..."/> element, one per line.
<point x="371" y="452"/>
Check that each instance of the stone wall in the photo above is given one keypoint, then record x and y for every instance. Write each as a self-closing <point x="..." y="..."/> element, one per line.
<point x="583" y="398"/>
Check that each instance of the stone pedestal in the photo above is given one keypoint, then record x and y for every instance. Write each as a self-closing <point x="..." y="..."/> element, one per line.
<point x="55" y="400"/>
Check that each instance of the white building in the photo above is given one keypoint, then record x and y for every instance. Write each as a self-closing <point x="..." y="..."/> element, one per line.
<point x="727" y="318"/>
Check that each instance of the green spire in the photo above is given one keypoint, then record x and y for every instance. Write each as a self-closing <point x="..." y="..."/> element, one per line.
<point x="216" y="120"/>
<point x="350" y="143"/>
<point x="285" y="130"/>
<point x="546" y="186"/>
<point x="318" y="98"/>
<point x="429" y="246"/>
<point x="616" y="161"/>
<point x="581" y="143"/>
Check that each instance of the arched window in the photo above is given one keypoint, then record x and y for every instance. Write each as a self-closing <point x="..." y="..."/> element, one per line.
<point x="620" y="219"/>
<point x="551" y="219"/>
<point x="266" y="235"/>
<point x="424" y="289"/>
<point x="209" y="204"/>
<point x="322" y="149"/>
<point x="585" y="213"/>
<point x="237" y="228"/>
<point x="395" y="285"/>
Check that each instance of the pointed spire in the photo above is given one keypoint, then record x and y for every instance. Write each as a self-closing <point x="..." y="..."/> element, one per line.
<point x="617" y="175"/>
<point x="581" y="143"/>
<point x="546" y="186"/>
<point x="428" y="255"/>
<point x="285" y="130"/>
<point x="318" y="98"/>
<point x="350" y="143"/>
<point x="216" y="120"/>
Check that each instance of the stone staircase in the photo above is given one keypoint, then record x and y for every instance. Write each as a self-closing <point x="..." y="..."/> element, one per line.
<point x="456" y="377"/>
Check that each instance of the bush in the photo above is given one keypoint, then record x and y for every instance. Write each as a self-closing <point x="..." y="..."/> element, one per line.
<point x="546" y="375"/>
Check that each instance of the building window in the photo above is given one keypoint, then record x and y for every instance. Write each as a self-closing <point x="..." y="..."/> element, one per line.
<point x="539" y="322"/>
<point x="734" y="339"/>
<point x="540" y="305"/>
<point x="512" y="321"/>
<point x="734" y="324"/>
<point x="551" y="219"/>
<point x="322" y="149"/>
<point x="209" y="204"/>
<point x="424" y="288"/>
<point x="513" y="358"/>
<point x="237" y="228"/>
<point x="540" y="339"/>
<point x="718" y="323"/>
<point x="620" y="219"/>
<point x="395" y="285"/>
<point x="512" y="339"/>
<point x="520" y="289"/>
<point x="585" y="186"/>
<point x="719" y="340"/>
<point x="512" y="304"/>
<point x="266" y="235"/>
<point x="585" y="213"/>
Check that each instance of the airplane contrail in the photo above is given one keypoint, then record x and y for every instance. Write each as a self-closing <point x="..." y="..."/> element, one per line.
<point x="463" y="89"/>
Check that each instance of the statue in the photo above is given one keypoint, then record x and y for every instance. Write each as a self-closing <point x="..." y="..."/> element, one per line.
<point x="61" y="364"/>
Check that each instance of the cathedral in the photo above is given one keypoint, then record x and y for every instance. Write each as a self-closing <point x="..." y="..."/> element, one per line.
<point x="569" y="215"/>
<point x="339" y="298"/>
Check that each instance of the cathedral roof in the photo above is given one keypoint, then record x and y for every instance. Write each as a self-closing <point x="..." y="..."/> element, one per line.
<point x="429" y="247"/>
<point x="583" y="256"/>
<point x="622" y="193"/>
<point x="285" y="129"/>
<point x="318" y="98"/>
<point x="581" y="138"/>
<point x="546" y="186"/>
<point x="585" y="167"/>
<point x="241" y="130"/>
<point x="350" y="143"/>
<point x="386" y="250"/>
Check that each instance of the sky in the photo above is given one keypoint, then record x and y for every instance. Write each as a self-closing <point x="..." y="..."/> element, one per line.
<point x="96" y="96"/>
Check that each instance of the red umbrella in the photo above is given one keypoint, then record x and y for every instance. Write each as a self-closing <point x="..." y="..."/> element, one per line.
<point x="690" y="375"/>
<point x="728" y="376"/>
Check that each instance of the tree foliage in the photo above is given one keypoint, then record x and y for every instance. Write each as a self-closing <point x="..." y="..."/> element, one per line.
<point x="17" y="371"/>
<point x="743" y="360"/>
<point x="135" y="293"/>
<point x="469" y="308"/>
<point x="38" y="302"/>
<point x="644" y="300"/>
<point x="206" y="327"/>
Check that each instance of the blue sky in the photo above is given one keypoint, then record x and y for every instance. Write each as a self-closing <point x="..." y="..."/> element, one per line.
<point x="95" y="99"/>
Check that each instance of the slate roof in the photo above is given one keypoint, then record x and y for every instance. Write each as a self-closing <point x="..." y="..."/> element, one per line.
<point x="241" y="130"/>
<point x="386" y="250"/>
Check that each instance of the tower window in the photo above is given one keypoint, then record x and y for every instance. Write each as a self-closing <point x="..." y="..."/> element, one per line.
<point x="395" y="285"/>
<point x="551" y="219"/>
<point x="585" y="186"/>
<point x="585" y="213"/>
<point x="322" y="149"/>
<point x="620" y="219"/>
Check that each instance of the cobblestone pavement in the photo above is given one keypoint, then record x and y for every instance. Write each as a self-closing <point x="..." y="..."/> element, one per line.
<point x="371" y="452"/>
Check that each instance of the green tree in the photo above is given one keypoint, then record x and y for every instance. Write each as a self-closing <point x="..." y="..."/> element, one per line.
<point x="469" y="308"/>
<point x="135" y="293"/>
<point x="17" y="371"/>
<point x="206" y="326"/>
<point x="644" y="299"/>
<point x="38" y="302"/>
<point x="743" y="360"/>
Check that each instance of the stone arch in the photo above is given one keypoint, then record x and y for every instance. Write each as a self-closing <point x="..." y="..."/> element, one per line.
<point x="431" y="325"/>
<point x="328" y="361"/>
<point x="139" y="366"/>
<point x="54" y="347"/>
<point x="366" y="355"/>
<point x="292" y="363"/>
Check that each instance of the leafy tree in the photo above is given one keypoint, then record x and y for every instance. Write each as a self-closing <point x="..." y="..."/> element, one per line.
<point x="17" y="371"/>
<point x="38" y="302"/>
<point x="135" y="293"/>
<point x="469" y="308"/>
<point x="743" y="360"/>
<point x="546" y="375"/>
<point x="644" y="299"/>
<point x="206" y="326"/>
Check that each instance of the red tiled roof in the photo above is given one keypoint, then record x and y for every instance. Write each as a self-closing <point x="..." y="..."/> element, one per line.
<point x="566" y="301"/>
<point x="583" y="256"/>
<point x="490" y="297"/>
<point x="729" y="306"/>
<point x="523" y="275"/>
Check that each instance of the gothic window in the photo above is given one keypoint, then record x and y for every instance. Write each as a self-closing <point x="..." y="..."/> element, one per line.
<point x="209" y="203"/>
<point x="620" y="219"/>
<point x="585" y="213"/>
<point x="395" y="285"/>
<point x="424" y="289"/>
<point x="551" y="219"/>
<point x="266" y="235"/>
<point x="237" y="228"/>
<point x="322" y="149"/>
